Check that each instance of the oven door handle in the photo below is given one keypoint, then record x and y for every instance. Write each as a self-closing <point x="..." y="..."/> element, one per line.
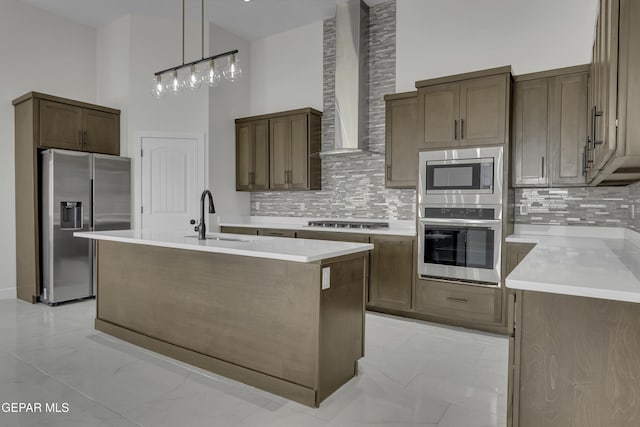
<point x="459" y="221"/>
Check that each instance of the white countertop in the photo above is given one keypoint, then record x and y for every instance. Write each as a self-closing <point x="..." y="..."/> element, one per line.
<point x="396" y="227"/>
<point x="281" y="248"/>
<point x="596" y="262"/>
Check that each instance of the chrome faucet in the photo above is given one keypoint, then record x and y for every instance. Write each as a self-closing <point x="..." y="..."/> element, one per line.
<point x="202" y="228"/>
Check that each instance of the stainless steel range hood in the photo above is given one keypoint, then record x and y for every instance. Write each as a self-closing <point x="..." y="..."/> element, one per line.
<point x="352" y="77"/>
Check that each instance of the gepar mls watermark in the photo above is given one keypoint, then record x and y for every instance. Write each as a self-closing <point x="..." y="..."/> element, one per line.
<point x="34" y="408"/>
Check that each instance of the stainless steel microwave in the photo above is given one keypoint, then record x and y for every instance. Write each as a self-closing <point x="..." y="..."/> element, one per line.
<point x="466" y="176"/>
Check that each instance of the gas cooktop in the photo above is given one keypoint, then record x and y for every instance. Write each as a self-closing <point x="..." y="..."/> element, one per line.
<point x="349" y="224"/>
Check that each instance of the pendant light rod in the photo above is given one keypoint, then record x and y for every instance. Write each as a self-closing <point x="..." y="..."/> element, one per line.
<point x="220" y="55"/>
<point x="202" y="27"/>
<point x="183" y="32"/>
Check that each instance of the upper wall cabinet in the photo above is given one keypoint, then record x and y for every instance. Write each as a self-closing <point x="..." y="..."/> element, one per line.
<point x="401" y="147"/>
<point x="279" y="151"/>
<point x="71" y="125"/>
<point x="550" y="128"/>
<point x="464" y="110"/>
<point x="614" y="95"/>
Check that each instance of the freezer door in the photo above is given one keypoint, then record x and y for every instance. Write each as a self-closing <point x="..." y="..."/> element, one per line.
<point x="66" y="208"/>
<point x="111" y="200"/>
<point x="111" y="193"/>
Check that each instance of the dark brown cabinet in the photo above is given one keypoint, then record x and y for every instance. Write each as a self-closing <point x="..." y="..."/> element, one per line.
<point x="276" y="232"/>
<point x="279" y="151"/>
<point x="464" y="110"/>
<point x="614" y="98"/>
<point x="401" y="147"/>
<point x="44" y="121"/>
<point x="252" y="155"/>
<point x="550" y="128"/>
<point x="392" y="272"/>
<point x="72" y="127"/>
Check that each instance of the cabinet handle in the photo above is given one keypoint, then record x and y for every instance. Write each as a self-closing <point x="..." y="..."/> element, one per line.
<point x="585" y="155"/>
<point x="455" y="130"/>
<point x="460" y="300"/>
<point x="543" y="166"/>
<point x="388" y="172"/>
<point x="461" y="128"/>
<point x="594" y="115"/>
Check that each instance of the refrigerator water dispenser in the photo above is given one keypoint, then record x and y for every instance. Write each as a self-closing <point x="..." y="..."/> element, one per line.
<point x="71" y="216"/>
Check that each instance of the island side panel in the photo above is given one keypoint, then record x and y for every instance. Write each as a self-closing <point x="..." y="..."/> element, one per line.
<point x="578" y="362"/>
<point x="341" y="324"/>
<point x="260" y="314"/>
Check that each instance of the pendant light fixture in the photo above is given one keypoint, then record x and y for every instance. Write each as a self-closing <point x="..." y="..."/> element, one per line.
<point x="170" y="80"/>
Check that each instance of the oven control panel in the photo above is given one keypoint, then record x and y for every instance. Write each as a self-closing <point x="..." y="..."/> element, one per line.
<point x="460" y="213"/>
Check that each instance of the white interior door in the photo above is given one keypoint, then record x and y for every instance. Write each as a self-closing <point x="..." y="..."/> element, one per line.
<point x="172" y="181"/>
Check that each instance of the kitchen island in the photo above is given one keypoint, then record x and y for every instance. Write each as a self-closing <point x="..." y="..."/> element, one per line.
<point x="283" y="315"/>
<point x="574" y="357"/>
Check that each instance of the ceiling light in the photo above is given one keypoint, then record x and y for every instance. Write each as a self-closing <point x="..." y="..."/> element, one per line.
<point x="168" y="80"/>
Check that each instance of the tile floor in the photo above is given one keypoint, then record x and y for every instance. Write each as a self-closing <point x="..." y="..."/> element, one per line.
<point x="413" y="374"/>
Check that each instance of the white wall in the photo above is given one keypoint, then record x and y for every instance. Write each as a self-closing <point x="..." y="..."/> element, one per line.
<point x="287" y="70"/>
<point x="443" y="37"/>
<point x="227" y="102"/>
<point x="45" y="53"/>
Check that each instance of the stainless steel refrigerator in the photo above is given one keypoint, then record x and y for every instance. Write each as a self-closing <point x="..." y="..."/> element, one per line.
<point x="79" y="192"/>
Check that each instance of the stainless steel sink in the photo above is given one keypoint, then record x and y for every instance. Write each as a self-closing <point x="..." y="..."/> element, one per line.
<point x="222" y="239"/>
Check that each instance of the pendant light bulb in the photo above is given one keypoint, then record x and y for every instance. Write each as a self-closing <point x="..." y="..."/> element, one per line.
<point x="175" y="85"/>
<point x="193" y="80"/>
<point x="159" y="89"/>
<point x="232" y="71"/>
<point x="213" y="76"/>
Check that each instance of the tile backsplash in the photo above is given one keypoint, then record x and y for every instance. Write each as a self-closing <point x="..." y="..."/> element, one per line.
<point x="634" y="206"/>
<point x="353" y="185"/>
<point x="594" y="206"/>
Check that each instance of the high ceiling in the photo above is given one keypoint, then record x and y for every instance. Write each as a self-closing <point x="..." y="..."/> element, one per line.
<point x="250" y="20"/>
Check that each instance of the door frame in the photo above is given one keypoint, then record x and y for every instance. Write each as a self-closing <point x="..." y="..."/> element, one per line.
<point x="203" y="165"/>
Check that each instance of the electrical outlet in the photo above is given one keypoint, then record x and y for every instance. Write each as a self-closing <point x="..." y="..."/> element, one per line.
<point x="303" y="206"/>
<point x="524" y="209"/>
<point x="326" y="278"/>
<point x="257" y="206"/>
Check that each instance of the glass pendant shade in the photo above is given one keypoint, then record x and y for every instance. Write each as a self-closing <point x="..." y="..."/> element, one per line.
<point x="212" y="77"/>
<point x="193" y="80"/>
<point x="175" y="85"/>
<point x="158" y="90"/>
<point x="232" y="71"/>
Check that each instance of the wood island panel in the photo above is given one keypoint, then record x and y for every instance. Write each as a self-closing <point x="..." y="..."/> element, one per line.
<point x="576" y="362"/>
<point x="265" y="322"/>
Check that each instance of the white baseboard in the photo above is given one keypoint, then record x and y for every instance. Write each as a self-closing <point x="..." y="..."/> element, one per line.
<point x="7" y="293"/>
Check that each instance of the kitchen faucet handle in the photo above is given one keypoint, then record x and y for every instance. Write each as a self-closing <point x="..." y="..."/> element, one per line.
<point x="193" y="221"/>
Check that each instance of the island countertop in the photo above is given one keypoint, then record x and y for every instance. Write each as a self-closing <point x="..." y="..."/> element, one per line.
<point x="580" y="261"/>
<point x="286" y="249"/>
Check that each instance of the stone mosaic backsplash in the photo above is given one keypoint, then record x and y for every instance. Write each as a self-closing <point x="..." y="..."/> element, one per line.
<point x="593" y="206"/>
<point x="352" y="184"/>
<point x="634" y="206"/>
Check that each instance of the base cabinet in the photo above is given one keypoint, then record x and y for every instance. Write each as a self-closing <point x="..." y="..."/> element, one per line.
<point x="392" y="273"/>
<point x="575" y="362"/>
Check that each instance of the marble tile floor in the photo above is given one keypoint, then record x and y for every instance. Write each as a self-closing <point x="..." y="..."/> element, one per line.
<point x="413" y="374"/>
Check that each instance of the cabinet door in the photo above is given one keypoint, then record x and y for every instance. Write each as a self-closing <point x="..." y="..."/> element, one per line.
<point x="101" y="132"/>
<point x="438" y="111"/>
<point x="401" y="148"/>
<point x="60" y="126"/>
<point x="279" y="152"/>
<point x="530" y="132"/>
<point x="568" y="130"/>
<point x="299" y="157"/>
<point x="604" y="110"/>
<point x="243" y="156"/>
<point x="483" y="110"/>
<point x="260" y="154"/>
<point x="391" y="279"/>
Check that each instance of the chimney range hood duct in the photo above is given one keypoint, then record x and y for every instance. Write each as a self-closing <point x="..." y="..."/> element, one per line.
<point x="352" y="77"/>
